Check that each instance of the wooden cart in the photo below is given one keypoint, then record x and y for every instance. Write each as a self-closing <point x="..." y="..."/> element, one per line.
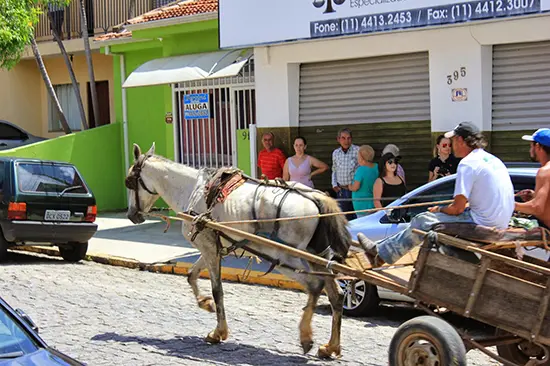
<point x="498" y="290"/>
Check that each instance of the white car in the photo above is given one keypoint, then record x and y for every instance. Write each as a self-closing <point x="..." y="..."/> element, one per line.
<point x="380" y="225"/>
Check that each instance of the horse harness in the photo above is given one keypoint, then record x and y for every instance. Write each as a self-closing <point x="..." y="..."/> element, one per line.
<point x="219" y="187"/>
<point x="134" y="180"/>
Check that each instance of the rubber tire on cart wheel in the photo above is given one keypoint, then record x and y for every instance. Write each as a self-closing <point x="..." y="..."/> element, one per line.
<point x="368" y="303"/>
<point x="73" y="252"/>
<point x="427" y="340"/>
<point x="519" y="353"/>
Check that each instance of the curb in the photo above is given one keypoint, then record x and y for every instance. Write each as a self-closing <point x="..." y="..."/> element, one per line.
<point x="180" y="268"/>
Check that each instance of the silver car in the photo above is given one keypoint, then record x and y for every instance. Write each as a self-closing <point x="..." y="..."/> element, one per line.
<point x="13" y="136"/>
<point x="382" y="224"/>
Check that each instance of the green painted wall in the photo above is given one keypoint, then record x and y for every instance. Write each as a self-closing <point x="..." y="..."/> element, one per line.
<point x="97" y="155"/>
<point x="147" y="106"/>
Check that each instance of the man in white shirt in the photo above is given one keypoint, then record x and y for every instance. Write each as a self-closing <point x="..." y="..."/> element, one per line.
<point x="482" y="183"/>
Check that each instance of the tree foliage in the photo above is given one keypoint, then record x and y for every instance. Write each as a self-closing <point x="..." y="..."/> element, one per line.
<point x="17" y="21"/>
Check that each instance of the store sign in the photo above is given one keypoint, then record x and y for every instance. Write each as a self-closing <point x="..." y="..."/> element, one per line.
<point x="196" y="106"/>
<point x="256" y="22"/>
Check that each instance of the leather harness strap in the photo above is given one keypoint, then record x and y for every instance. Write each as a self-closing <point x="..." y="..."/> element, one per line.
<point x="134" y="180"/>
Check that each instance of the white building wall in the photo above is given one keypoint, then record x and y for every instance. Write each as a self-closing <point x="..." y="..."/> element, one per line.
<point x="450" y="48"/>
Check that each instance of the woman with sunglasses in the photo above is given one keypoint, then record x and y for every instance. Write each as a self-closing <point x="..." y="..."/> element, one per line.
<point x="444" y="163"/>
<point x="389" y="186"/>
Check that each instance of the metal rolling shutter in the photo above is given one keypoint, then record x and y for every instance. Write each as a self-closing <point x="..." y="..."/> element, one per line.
<point x="521" y="86"/>
<point x="378" y="89"/>
<point x="412" y="138"/>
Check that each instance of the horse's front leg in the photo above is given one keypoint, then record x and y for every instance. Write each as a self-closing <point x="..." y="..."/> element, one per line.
<point x="222" y="331"/>
<point x="204" y="302"/>
<point x="336" y="298"/>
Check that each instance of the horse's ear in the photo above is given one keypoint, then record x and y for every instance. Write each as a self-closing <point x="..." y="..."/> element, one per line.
<point x="137" y="152"/>
<point x="151" y="151"/>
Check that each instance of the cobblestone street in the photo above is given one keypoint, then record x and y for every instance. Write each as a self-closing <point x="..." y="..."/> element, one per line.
<point x="105" y="315"/>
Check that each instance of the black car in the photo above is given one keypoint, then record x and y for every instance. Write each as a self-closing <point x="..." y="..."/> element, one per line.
<point x="20" y="343"/>
<point x="45" y="203"/>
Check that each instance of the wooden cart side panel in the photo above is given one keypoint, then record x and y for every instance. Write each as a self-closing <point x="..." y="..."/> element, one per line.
<point x="502" y="301"/>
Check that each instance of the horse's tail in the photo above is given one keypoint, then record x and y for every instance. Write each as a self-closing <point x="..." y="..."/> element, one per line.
<point x="332" y="230"/>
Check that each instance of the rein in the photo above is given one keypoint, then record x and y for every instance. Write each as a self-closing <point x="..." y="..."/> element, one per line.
<point x="134" y="180"/>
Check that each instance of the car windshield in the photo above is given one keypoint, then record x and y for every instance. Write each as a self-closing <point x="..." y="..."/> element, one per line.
<point x="49" y="178"/>
<point x="14" y="341"/>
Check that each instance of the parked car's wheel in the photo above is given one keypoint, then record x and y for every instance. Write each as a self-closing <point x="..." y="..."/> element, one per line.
<point x="73" y="252"/>
<point x="426" y="340"/>
<point x="520" y="353"/>
<point x="360" y="298"/>
<point x="4" y="244"/>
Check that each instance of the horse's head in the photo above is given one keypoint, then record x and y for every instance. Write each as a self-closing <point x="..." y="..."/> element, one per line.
<point x="141" y="191"/>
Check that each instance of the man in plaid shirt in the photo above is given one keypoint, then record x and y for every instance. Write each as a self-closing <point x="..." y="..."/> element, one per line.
<point x="344" y="165"/>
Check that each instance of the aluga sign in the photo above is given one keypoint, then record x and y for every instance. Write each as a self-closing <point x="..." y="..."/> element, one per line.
<point x="256" y="22"/>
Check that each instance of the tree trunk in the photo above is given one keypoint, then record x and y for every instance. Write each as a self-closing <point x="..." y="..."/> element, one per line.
<point x="85" y="37"/>
<point x="132" y="9"/>
<point x="49" y="86"/>
<point x="71" y="74"/>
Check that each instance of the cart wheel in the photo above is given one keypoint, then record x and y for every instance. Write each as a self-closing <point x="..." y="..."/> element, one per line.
<point x="360" y="298"/>
<point x="428" y="341"/>
<point x="520" y="353"/>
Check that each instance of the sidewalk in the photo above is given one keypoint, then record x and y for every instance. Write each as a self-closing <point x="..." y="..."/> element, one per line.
<point x="146" y="246"/>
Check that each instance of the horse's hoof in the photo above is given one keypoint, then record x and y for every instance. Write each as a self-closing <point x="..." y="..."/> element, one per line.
<point x="328" y="351"/>
<point x="207" y="303"/>
<point x="306" y="346"/>
<point x="213" y="338"/>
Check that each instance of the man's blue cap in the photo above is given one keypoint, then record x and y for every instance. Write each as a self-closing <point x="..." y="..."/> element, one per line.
<point x="541" y="136"/>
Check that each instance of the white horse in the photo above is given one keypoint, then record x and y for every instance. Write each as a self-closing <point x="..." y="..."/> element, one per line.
<point x="183" y="188"/>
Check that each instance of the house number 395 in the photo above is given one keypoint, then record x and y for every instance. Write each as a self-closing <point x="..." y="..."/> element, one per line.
<point x="457" y="74"/>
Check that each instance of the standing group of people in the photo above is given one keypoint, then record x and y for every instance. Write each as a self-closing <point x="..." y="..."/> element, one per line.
<point x="358" y="181"/>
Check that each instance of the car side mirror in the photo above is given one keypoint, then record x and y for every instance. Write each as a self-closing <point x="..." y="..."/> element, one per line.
<point x="397" y="216"/>
<point x="24" y="136"/>
<point x="27" y="319"/>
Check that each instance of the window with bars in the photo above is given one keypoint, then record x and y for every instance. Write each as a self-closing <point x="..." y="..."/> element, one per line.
<point x="159" y="3"/>
<point x="67" y="98"/>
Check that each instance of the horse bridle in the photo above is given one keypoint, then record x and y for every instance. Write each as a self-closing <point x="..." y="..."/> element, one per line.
<point x="134" y="180"/>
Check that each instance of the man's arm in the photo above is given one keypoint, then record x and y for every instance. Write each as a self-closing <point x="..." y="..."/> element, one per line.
<point x="282" y="159"/>
<point x="463" y="187"/>
<point x="537" y="205"/>
<point x="454" y="209"/>
<point x="333" y="177"/>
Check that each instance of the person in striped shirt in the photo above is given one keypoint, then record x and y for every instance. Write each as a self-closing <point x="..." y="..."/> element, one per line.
<point x="344" y="165"/>
<point x="271" y="160"/>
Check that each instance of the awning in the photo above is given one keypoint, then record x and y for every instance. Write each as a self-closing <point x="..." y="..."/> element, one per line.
<point x="178" y="69"/>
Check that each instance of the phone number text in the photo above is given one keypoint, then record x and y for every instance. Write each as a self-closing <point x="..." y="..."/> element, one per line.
<point x="437" y="15"/>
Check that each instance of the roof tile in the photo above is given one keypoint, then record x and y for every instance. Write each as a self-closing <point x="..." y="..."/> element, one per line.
<point x="180" y="9"/>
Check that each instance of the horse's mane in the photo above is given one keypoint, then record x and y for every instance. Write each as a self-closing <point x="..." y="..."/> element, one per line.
<point x="208" y="171"/>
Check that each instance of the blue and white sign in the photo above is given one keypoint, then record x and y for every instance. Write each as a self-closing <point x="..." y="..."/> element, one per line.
<point x="257" y="22"/>
<point x="196" y="106"/>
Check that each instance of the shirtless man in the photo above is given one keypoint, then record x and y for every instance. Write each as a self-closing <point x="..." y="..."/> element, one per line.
<point x="537" y="203"/>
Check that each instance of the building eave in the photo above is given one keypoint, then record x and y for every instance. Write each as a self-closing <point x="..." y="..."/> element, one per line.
<point x="172" y="21"/>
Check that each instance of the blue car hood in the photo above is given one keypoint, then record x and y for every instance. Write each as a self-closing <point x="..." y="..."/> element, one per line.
<point x="38" y="358"/>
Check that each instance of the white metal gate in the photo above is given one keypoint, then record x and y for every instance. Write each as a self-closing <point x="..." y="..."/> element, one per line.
<point x="211" y="142"/>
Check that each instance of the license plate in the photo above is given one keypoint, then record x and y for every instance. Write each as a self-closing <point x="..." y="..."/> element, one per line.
<point x="54" y="215"/>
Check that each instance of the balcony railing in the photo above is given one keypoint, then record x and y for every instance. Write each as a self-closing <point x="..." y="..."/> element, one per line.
<point x="102" y="16"/>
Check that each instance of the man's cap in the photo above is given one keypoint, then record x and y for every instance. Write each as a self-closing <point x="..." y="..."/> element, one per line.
<point x="541" y="136"/>
<point x="464" y="129"/>
<point x="391" y="148"/>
